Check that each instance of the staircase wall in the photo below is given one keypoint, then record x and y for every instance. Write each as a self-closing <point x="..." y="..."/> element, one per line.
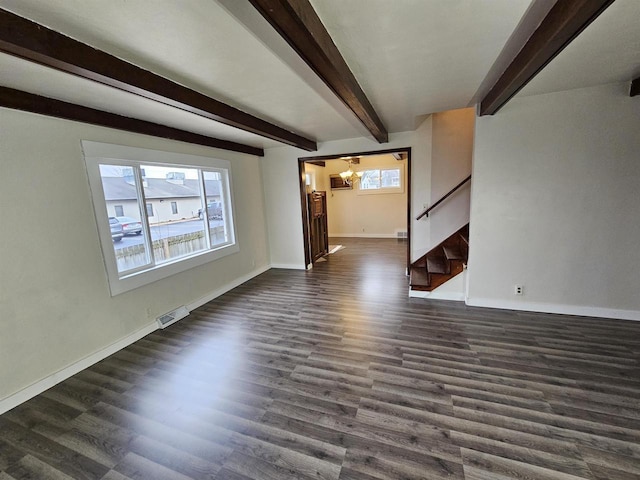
<point x="421" y="187"/>
<point x="450" y="143"/>
<point x="555" y="204"/>
<point x="451" y="153"/>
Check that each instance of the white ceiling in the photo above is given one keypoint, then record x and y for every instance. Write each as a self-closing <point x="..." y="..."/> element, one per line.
<point x="608" y="51"/>
<point x="411" y="57"/>
<point x="415" y="57"/>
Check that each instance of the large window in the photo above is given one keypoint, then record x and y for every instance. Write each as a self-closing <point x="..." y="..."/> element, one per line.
<point x="153" y="241"/>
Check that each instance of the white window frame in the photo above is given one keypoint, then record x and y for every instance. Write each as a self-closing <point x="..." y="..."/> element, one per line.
<point x="386" y="190"/>
<point x="102" y="153"/>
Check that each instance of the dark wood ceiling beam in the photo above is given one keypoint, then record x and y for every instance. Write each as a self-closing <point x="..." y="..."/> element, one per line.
<point x="298" y="23"/>
<point x="635" y="87"/>
<point x="564" y="22"/>
<point x="28" y="40"/>
<point x="29" y="102"/>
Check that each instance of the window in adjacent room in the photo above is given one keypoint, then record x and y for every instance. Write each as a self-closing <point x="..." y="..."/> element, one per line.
<point x="382" y="180"/>
<point x="154" y="186"/>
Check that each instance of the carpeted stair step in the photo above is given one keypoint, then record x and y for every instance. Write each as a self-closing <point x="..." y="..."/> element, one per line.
<point x="419" y="278"/>
<point x="421" y="262"/>
<point x="464" y="234"/>
<point x="453" y="253"/>
<point x="437" y="265"/>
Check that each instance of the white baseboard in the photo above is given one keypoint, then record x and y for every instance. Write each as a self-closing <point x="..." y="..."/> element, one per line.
<point x="433" y="295"/>
<point x="364" y="235"/>
<point x="452" y="289"/>
<point x="288" y="266"/>
<point x="555" y="308"/>
<point x="40" y="386"/>
<point x="46" y="383"/>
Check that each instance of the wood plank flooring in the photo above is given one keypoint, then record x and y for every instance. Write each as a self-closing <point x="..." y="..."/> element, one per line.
<point x="336" y="374"/>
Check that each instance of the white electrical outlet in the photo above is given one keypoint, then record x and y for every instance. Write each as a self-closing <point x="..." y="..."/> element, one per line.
<point x="518" y="290"/>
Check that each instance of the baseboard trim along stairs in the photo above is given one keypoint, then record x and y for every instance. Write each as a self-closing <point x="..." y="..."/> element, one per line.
<point x="452" y="290"/>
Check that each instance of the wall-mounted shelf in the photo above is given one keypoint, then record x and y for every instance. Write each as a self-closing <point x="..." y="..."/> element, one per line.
<point x="337" y="183"/>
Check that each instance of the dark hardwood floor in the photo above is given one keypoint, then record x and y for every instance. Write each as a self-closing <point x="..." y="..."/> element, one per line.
<point x="336" y="374"/>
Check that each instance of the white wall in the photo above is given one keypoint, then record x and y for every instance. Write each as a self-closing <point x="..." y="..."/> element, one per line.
<point x="421" y="159"/>
<point x="555" y="203"/>
<point x="319" y="180"/>
<point x="54" y="296"/>
<point x="352" y="213"/>
<point x="282" y="191"/>
<point x="451" y="153"/>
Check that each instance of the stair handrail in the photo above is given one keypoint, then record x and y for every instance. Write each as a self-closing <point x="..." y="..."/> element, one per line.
<point x="426" y="212"/>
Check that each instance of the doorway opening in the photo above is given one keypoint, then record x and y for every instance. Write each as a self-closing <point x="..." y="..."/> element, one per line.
<point x="371" y="178"/>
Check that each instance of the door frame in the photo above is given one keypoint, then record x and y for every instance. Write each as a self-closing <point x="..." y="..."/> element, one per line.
<point x="302" y="161"/>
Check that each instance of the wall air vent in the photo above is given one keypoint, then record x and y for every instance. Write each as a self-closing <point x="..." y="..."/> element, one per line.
<point x="172" y="317"/>
<point x="401" y="234"/>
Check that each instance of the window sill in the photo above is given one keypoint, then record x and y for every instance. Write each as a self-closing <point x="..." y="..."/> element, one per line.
<point x="381" y="191"/>
<point x="138" y="279"/>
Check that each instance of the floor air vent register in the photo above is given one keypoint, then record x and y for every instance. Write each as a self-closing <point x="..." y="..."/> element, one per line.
<point x="172" y="317"/>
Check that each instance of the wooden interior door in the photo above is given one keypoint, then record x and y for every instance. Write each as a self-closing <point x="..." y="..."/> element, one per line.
<point x="318" y="231"/>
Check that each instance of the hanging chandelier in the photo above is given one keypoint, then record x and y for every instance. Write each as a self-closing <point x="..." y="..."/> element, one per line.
<point x="350" y="176"/>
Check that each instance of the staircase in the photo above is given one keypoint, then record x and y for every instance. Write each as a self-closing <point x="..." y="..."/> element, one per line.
<point x="441" y="263"/>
